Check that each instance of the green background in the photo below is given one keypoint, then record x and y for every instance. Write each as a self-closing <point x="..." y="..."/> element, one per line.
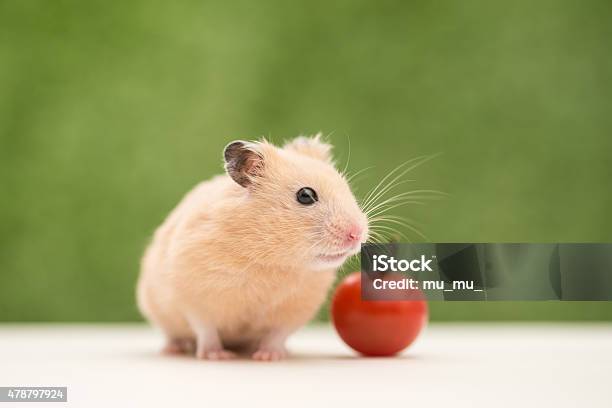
<point x="111" y="111"/>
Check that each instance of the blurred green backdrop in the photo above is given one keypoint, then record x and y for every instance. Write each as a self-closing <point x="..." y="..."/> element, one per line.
<point x="111" y="111"/>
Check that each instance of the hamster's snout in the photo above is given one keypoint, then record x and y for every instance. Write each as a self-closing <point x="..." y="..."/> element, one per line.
<point x="348" y="235"/>
<point x="353" y="235"/>
<point x="345" y="240"/>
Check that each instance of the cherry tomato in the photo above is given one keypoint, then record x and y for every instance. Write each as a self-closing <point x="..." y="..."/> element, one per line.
<point x="376" y="328"/>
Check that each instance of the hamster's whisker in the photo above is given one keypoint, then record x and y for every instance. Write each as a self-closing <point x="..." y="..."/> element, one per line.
<point x="394" y="203"/>
<point x="313" y="245"/>
<point x="408" y="195"/>
<point x="395" y="175"/>
<point x="390" y="207"/>
<point x="343" y="172"/>
<point x="387" y="188"/>
<point x="316" y="243"/>
<point x="352" y="177"/>
<point x="413" y="163"/>
<point x="417" y="231"/>
<point x="375" y="224"/>
<point x="378" y="237"/>
<point x="390" y="229"/>
<point x="394" y="220"/>
<point x="408" y="226"/>
<point x="372" y="192"/>
<point x="352" y="262"/>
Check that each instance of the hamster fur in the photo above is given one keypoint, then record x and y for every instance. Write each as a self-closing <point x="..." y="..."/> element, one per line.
<point x="240" y="263"/>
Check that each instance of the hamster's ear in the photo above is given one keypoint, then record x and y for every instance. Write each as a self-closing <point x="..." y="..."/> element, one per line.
<point x="243" y="162"/>
<point x="311" y="146"/>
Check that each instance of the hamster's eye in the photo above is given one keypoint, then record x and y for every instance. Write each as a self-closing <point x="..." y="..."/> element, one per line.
<point x="306" y="196"/>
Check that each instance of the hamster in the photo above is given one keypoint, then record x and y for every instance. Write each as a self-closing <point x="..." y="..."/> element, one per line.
<point x="247" y="258"/>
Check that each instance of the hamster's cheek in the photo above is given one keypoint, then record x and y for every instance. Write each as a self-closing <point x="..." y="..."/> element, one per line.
<point x="320" y="264"/>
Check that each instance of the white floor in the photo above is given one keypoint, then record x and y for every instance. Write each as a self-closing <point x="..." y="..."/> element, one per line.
<point x="450" y="366"/>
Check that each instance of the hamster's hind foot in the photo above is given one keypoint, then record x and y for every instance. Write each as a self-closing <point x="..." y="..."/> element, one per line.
<point x="178" y="346"/>
<point x="216" y="354"/>
<point x="272" y="346"/>
<point x="268" y="354"/>
<point x="208" y="343"/>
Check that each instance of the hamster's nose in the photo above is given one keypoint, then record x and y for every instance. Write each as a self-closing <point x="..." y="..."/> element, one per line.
<point x="353" y="234"/>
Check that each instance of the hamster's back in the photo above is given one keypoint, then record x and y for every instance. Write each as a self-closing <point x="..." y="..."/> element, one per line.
<point x="155" y="299"/>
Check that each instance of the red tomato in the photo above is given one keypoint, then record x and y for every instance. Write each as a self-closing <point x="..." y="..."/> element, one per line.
<point x="375" y="328"/>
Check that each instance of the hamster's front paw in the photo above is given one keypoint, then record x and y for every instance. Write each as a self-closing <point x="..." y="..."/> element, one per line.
<point x="270" y="354"/>
<point x="215" y="354"/>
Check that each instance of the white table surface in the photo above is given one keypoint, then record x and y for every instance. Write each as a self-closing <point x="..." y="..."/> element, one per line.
<point x="459" y="365"/>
